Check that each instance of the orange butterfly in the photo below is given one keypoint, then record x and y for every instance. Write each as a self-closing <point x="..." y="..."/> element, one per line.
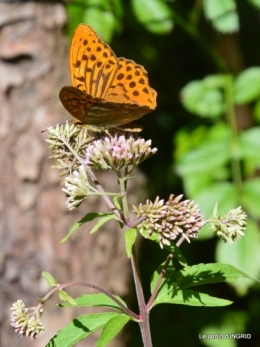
<point x="107" y="91"/>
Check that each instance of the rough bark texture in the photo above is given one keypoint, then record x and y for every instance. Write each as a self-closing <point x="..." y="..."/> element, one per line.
<point x="33" y="67"/>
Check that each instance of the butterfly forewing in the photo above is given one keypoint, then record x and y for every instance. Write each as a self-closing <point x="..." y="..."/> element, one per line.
<point x="92" y="63"/>
<point x="130" y="85"/>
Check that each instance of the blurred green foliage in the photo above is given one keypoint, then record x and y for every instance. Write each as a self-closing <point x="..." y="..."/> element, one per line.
<point x="203" y="59"/>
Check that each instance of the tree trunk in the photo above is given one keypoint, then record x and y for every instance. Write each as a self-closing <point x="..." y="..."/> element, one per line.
<point x="33" y="67"/>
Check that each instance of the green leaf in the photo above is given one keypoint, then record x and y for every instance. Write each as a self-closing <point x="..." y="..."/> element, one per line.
<point x="103" y="221"/>
<point x="222" y="14"/>
<point x="195" y="149"/>
<point x="187" y="139"/>
<point x="204" y="98"/>
<point x="175" y="250"/>
<point x="206" y="158"/>
<point x="94" y="300"/>
<point x="251" y="200"/>
<point x="88" y="218"/>
<point x="191" y="298"/>
<point x="155" y="15"/>
<point x="217" y="81"/>
<point x="130" y="237"/>
<point x="103" y="22"/>
<point x="66" y="297"/>
<point x="247" y="85"/>
<point x="168" y="274"/>
<point x="256" y="3"/>
<point x="208" y="273"/>
<point x="76" y="16"/>
<point x="243" y="254"/>
<point x="172" y="248"/>
<point x="250" y="144"/>
<point x="49" y="279"/>
<point x="116" y="202"/>
<point x="103" y="16"/>
<point x="198" y="275"/>
<point x="256" y="111"/>
<point x="111" y="329"/>
<point x="235" y="321"/>
<point x="195" y="184"/>
<point x="224" y="193"/>
<point x="80" y="328"/>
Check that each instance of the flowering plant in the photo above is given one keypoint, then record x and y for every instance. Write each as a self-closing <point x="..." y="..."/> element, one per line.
<point x="167" y="223"/>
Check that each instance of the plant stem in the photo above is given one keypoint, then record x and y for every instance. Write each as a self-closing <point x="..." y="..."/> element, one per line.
<point x="163" y="271"/>
<point x="124" y="199"/>
<point x="159" y="281"/>
<point x="84" y="284"/>
<point x="234" y="143"/>
<point x="144" y="313"/>
<point x="104" y="196"/>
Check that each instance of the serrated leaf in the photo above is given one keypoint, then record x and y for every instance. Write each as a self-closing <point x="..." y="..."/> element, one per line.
<point x="208" y="273"/>
<point x="191" y="298"/>
<point x="111" y="329"/>
<point x="155" y="15"/>
<point x="88" y="218"/>
<point x="222" y="14"/>
<point x="195" y="276"/>
<point x="130" y="237"/>
<point x="247" y="85"/>
<point x="49" y="279"/>
<point x="96" y="300"/>
<point x="66" y="297"/>
<point x="79" y="329"/>
<point x="198" y="275"/>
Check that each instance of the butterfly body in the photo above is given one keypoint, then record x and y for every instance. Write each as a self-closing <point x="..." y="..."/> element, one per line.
<point x="107" y="91"/>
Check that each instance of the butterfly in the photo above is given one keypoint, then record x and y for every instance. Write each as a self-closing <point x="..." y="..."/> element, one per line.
<point x="106" y="92"/>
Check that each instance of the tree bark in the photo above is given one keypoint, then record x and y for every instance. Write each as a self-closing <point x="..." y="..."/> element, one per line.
<point x="33" y="67"/>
